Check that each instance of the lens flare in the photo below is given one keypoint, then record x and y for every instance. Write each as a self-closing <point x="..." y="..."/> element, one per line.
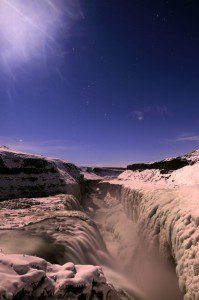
<point x="30" y="30"/>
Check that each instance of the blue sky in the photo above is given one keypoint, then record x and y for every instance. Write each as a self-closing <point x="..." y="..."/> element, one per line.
<point x="99" y="82"/>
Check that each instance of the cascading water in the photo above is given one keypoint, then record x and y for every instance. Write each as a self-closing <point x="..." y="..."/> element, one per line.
<point x="107" y="238"/>
<point x="141" y="269"/>
<point x="82" y="244"/>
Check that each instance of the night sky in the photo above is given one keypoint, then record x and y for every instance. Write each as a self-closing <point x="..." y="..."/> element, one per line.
<point x="100" y="82"/>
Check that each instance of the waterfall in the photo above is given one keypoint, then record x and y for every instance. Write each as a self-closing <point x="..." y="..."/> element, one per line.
<point x="107" y="233"/>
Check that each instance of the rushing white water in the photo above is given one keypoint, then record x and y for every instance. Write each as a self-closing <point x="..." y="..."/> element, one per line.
<point x="113" y="242"/>
<point x="139" y="269"/>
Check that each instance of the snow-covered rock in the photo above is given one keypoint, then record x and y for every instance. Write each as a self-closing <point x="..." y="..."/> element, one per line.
<point x="29" y="277"/>
<point x="27" y="175"/>
<point x="17" y="213"/>
<point x="192" y="156"/>
<point x="168" y="164"/>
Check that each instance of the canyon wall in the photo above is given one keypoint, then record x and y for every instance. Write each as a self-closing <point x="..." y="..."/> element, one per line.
<point x="24" y="175"/>
<point x="167" y="220"/>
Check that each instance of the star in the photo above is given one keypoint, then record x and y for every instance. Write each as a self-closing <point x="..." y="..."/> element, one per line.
<point x="107" y="115"/>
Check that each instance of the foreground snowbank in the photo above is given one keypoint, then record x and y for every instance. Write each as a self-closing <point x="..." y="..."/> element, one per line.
<point x="29" y="277"/>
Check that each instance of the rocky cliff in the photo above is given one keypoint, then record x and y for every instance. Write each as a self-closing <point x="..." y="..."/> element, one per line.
<point x="26" y="175"/>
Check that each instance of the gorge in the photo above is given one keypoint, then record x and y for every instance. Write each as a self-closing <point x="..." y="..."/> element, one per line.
<point x="60" y="222"/>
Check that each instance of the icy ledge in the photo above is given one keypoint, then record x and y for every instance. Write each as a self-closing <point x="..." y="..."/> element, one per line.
<point x="29" y="277"/>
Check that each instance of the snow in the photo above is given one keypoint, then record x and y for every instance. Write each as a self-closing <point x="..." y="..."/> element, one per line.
<point x="34" y="278"/>
<point x="17" y="213"/>
<point x="188" y="175"/>
<point x="91" y="176"/>
<point x="153" y="178"/>
<point x="192" y="156"/>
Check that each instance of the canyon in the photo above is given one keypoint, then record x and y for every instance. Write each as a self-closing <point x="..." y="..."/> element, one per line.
<point x="69" y="232"/>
